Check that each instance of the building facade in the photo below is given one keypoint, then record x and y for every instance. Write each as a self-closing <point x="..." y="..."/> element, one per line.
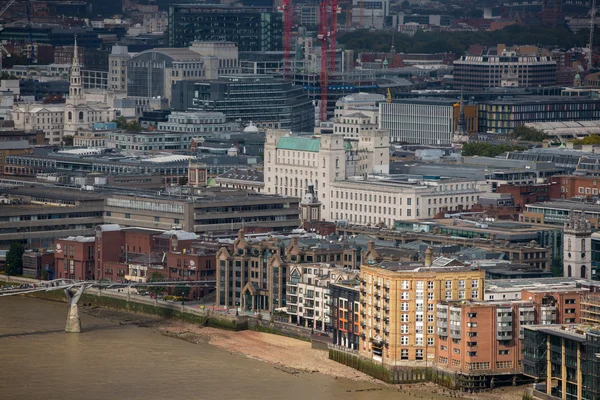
<point x="398" y="315"/>
<point x="345" y="306"/>
<point x="577" y="247"/>
<point x="309" y="294"/>
<point x="263" y="100"/>
<point x="424" y="121"/>
<point x="505" y="70"/>
<point x="564" y="360"/>
<point x="252" y="28"/>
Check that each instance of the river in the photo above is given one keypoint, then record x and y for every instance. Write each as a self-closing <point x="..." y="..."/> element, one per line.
<point x="111" y="361"/>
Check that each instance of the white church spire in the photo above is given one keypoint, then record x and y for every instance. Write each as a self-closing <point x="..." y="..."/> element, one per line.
<point x="76" y="87"/>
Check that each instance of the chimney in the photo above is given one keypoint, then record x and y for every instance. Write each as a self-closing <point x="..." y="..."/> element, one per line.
<point x="428" y="257"/>
<point x="371" y="246"/>
<point x="241" y="234"/>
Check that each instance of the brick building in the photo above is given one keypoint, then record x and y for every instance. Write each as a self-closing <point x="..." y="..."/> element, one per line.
<point x="74" y="258"/>
<point x="576" y="186"/>
<point x="530" y="193"/>
<point x="398" y="301"/>
<point x="480" y="343"/>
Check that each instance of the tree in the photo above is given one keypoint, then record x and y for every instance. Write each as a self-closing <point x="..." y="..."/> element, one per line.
<point x="529" y="134"/>
<point x="556" y="267"/>
<point x="133" y="126"/>
<point x="14" y="259"/>
<point x="592" y="139"/>
<point x="156" y="277"/>
<point x="68" y="140"/>
<point x="487" y="149"/>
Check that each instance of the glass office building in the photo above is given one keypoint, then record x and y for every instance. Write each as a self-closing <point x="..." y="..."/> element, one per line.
<point x="252" y="28"/>
<point x="264" y="100"/>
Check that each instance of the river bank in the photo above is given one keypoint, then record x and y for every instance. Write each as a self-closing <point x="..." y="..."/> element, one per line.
<point x="286" y="354"/>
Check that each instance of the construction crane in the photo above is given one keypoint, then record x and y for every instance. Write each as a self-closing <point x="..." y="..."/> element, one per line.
<point x="286" y="9"/>
<point x="323" y="37"/>
<point x="335" y="10"/>
<point x="590" y="58"/>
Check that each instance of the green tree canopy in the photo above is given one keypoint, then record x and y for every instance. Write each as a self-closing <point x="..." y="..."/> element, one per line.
<point x="14" y="259"/>
<point x="556" y="267"/>
<point x="156" y="277"/>
<point x="132" y="126"/>
<point x="529" y="134"/>
<point x="68" y="140"/>
<point x="483" y="149"/>
<point x="592" y="139"/>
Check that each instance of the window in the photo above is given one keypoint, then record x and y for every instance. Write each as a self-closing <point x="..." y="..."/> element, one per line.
<point x="429" y="341"/>
<point x="404" y="307"/>
<point x="448" y="284"/>
<point x="404" y="296"/>
<point x="404" y="354"/>
<point x="472" y="353"/>
<point x="404" y="318"/>
<point x="404" y="329"/>
<point x="429" y="317"/>
<point x="405" y="285"/>
<point x="475" y="283"/>
<point x="404" y="340"/>
<point x="471" y="324"/>
<point x="430" y="285"/>
<point x="127" y="215"/>
<point x="503" y="352"/>
<point x="448" y="295"/>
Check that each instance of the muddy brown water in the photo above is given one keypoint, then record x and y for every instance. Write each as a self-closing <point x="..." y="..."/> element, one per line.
<point x="111" y="361"/>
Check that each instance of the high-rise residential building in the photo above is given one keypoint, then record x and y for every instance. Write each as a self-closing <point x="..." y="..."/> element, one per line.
<point x="398" y="300"/>
<point x="263" y="100"/>
<point x="508" y="69"/>
<point x="252" y="28"/>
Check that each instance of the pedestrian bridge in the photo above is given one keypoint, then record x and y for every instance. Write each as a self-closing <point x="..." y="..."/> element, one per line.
<point x="73" y="321"/>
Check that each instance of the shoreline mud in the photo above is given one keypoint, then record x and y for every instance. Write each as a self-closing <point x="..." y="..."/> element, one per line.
<point x="286" y="354"/>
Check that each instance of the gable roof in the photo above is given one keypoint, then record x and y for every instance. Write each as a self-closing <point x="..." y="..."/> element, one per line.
<point x="299" y="143"/>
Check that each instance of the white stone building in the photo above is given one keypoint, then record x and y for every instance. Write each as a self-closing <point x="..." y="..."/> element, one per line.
<point x="350" y="177"/>
<point x="577" y="247"/>
<point x="57" y="120"/>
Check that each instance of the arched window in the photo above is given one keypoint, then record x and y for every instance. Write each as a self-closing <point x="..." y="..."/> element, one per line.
<point x="569" y="245"/>
<point x="569" y="272"/>
<point x="81" y="115"/>
<point x="582" y="245"/>
<point x="583" y="271"/>
<point x="70" y="116"/>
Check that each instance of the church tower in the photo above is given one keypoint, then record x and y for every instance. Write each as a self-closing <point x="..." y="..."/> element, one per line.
<point x="461" y="135"/>
<point x="310" y="207"/>
<point x="76" y="111"/>
<point x="577" y="243"/>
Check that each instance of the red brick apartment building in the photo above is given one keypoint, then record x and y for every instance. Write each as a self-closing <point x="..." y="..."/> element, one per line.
<point x="530" y="193"/>
<point x="479" y="343"/>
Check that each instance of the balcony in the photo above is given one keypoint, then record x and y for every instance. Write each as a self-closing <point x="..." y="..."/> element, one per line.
<point x="309" y="304"/>
<point x="503" y="318"/>
<point x="377" y="317"/>
<point x="378" y="285"/>
<point x="442" y="331"/>
<point x="455" y="334"/>
<point x="442" y="323"/>
<point x="292" y="300"/>
<point x="377" y="294"/>
<point x="441" y="314"/>
<point x="504" y="336"/>
<point x="292" y="284"/>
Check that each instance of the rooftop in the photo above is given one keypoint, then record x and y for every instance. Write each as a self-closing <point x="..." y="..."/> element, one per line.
<point x="299" y="144"/>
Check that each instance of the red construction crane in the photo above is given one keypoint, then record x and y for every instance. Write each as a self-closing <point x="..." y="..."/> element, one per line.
<point x="323" y="36"/>
<point x="286" y="9"/>
<point x="335" y="10"/>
